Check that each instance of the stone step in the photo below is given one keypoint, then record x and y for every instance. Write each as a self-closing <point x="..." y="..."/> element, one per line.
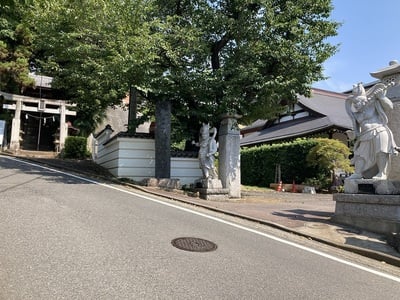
<point x="37" y="154"/>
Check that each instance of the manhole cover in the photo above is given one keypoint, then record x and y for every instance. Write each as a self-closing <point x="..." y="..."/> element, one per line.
<point x="193" y="244"/>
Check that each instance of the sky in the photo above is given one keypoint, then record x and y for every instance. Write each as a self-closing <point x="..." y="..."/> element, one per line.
<point x="369" y="39"/>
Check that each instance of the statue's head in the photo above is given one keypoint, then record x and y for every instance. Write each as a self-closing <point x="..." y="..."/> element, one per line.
<point x="359" y="91"/>
<point x="359" y="96"/>
<point x="205" y="130"/>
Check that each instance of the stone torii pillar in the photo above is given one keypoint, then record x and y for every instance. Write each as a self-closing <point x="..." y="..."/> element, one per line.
<point x="63" y="125"/>
<point x="16" y="127"/>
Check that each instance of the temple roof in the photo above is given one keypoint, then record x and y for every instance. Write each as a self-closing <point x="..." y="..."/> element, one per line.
<point x="41" y="80"/>
<point x="326" y="110"/>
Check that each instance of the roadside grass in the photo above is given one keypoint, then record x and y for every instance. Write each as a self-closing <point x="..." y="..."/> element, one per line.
<point x="249" y="188"/>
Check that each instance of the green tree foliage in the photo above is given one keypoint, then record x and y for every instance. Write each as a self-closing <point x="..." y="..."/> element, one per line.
<point x="330" y="154"/>
<point x="15" y="48"/>
<point x="206" y="57"/>
<point x="241" y="56"/>
<point x="93" y="49"/>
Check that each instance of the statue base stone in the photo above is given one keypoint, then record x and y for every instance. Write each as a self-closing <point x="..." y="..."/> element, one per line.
<point x="163" y="183"/>
<point x="371" y="186"/>
<point x="371" y="212"/>
<point x="211" y="189"/>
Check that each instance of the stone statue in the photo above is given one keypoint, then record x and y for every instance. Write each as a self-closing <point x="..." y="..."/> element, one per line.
<point x="374" y="140"/>
<point x="208" y="148"/>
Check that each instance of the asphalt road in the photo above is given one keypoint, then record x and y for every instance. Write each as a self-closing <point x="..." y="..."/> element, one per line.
<point x="64" y="237"/>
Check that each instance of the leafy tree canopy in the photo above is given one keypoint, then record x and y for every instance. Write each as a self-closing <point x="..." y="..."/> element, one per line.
<point x="206" y="57"/>
<point x="15" y="48"/>
<point x="241" y="56"/>
<point x="92" y="48"/>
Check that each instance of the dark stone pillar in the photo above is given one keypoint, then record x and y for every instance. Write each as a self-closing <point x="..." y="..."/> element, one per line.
<point x="132" y="111"/>
<point x="163" y="139"/>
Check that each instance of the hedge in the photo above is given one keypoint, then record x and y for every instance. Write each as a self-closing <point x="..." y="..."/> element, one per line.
<point x="258" y="164"/>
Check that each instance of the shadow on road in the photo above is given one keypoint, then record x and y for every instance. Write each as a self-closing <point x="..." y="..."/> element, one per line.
<point x="305" y="215"/>
<point x="10" y="167"/>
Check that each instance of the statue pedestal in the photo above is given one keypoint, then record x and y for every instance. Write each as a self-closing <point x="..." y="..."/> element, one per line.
<point x="375" y="213"/>
<point x="372" y="186"/>
<point x="211" y="189"/>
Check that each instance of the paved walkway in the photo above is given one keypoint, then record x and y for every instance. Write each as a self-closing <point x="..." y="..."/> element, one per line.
<point x="303" y="214"/>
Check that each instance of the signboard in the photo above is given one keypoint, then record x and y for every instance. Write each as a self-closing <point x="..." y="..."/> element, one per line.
<point x="2" y="133"/>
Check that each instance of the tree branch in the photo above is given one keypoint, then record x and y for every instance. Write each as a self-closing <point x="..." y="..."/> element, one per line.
<point x="216" y="49"/>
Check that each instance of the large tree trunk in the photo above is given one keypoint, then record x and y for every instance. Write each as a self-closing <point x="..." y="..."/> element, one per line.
<point x="163" y="139"/>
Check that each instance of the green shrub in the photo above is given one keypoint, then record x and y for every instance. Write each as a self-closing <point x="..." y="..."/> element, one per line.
<point x="258" y="164"/>
<point x="75" y="147"/>
<point x="330" y="154"/>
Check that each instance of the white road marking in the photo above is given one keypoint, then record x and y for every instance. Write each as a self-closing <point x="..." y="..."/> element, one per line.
<point x="331" y="257"/>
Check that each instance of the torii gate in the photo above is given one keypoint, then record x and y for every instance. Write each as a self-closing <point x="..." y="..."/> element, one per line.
<point x="20" y="105"/>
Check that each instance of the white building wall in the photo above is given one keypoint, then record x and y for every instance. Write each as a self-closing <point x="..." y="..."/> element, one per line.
<point x="186" y="169"/>
<point x="107" y="156"/>
<point x="134" y="158"/>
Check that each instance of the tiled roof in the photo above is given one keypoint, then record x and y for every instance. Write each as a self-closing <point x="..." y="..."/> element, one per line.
<point x="327" y="111"/>
<point x="328" y="104"/>
<point x="41" y="80"/>
<point x="254" y="126"/>
<point x="291" y="129"/>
